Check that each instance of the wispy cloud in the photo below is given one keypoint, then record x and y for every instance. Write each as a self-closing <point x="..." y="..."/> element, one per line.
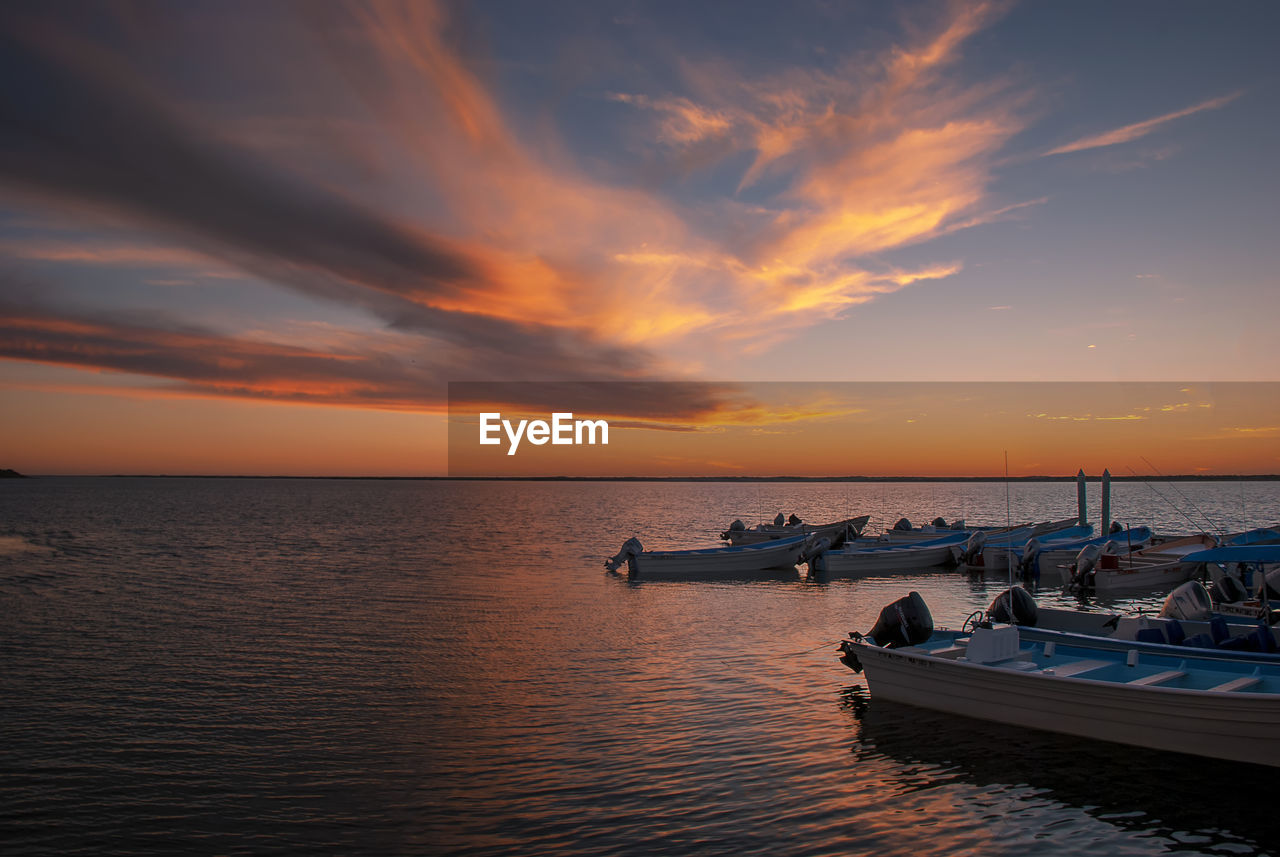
<point x="408" y="196"/>
<point x="1140" y="129"/>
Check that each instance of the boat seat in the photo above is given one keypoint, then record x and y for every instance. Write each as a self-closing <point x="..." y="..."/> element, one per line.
<point x="1245" y="681"/>
<point x="1150" y="635"/>
<point x="1199" y="641"/>
<point x="1263" y="638"/>
<point x="1076" y="668"/>
<point x="948" y="652"/>
<point x="1157" y="678"/>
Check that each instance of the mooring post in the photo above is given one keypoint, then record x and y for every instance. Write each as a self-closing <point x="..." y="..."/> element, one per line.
<point x="1082" y="510"/>
<point x="1106" y="502"/>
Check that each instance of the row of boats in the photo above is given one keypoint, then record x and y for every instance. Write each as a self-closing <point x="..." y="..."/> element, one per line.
<point x="1060" y="553"/>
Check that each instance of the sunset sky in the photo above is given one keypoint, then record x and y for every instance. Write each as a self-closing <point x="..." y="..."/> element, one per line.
<point x="262" y="238"/>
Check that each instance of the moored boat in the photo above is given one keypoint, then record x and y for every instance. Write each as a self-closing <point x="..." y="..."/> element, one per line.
<point x="1219" y="708"/>
<point x="1160" y="566"/>
<point x="836" y="532"/>
<point x="858" y="560"/>
<point x="1051" y="565"/>
<point x="780" y="554"/>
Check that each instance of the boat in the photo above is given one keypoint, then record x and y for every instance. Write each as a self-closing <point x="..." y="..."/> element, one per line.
<point x="837" y="532"/>
<point x="904" y="532"/>
<point x="856" y="560"/>
<point x="1159" y="566"/>
<point x="1051" y="564"/>
<point x="1163" y="565"/>
<point x="973" y="556"/>
<point x="1176" y="628"/>
<point x="999" y="555"/>
<point x="1219" y="708"/>
<point x="1244" y="582"/>
<point x="717" y="562"/>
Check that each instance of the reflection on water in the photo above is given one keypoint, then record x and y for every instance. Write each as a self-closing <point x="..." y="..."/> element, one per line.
<point x="361" y="667"/>
<point x="1187" y="802"/>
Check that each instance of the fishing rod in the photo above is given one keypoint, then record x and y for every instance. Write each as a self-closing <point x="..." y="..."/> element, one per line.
<point x="1207" y="519"/>
<point x="1164" y="498"/>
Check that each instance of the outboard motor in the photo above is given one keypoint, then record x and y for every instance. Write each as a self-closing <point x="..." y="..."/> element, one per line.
<point x="736" y="527"/>
<point x="1271" y="584"/>
<point x="1022" y="611"/>
<point x="1085" y="561"/>
<point x="1227" y="590"/>
<point x="814" y="548"/>
<point x="940" y="523"/>
<point x="973" y="548"/>
<point x="779" y="521"/>
<point x="631" y="547"/>
<point x="1030" y="553"/>
<point x="1190" y="602"/>
<point x="903" y="524"/>
<point x="1116" y="527"/>
<point x="958" y="524"/>
<point x="793" y="520"/>
<point x="905" y="622"/>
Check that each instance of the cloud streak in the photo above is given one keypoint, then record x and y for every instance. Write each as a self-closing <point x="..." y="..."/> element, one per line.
<point x="1138" y="130"/>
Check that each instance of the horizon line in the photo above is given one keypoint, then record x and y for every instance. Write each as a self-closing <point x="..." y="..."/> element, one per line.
<point x="1176" y="477"/>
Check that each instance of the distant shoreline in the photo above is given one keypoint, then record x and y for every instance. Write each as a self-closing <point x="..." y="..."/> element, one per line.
<point x="798" y="479"/>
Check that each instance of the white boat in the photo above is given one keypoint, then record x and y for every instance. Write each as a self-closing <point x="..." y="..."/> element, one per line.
<point x="718" y="562"/>
<point x="904" y="532"/>
<point x="836" y="531"/>
<point x="1052" y="563"/>
<point x="859" y="560"/>
<point x="1160" y="566"/>
<point x="1222" y="709"/>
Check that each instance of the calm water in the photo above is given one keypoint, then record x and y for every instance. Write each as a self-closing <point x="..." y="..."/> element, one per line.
<point x="362" y="667"/>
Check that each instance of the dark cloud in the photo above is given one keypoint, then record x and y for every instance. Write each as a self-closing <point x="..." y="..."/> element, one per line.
<point x="81" y="125"/>
<point x="202" y="362"/>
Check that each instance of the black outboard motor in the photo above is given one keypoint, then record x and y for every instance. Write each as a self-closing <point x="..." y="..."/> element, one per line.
<point x="736" y="527"/>
<point x="940" y="522"/>
<point x="779" y="521"/>
<point x="793" y="520"/>
<point x="1227" y="590"/>
<point x="903" y="524"/>
<point x="905" y="622"/>
<point x="1116" y="527"/>
<point x="1022" y="612"/>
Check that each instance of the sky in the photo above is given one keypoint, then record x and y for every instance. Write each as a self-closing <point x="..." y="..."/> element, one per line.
<point x="265" y="238"/>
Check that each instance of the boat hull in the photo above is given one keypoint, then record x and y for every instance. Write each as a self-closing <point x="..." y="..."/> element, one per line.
<point x="718" y="562"/>
<point x="1236" y="727"/>
<point x="858" y="563"/>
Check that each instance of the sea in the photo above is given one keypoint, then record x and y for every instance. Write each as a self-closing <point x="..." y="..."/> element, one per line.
<point x="196" y="666"/>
